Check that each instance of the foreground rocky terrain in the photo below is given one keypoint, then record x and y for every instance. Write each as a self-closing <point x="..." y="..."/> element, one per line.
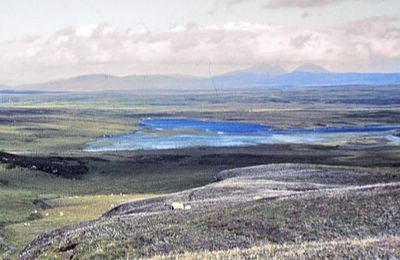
<point x="277" y="211"/>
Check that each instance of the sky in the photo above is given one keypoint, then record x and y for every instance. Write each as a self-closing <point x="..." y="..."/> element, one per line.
<point x="43" y="40"/>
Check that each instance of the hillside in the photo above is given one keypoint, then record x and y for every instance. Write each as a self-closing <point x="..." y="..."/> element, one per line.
<point x="272" y="210"/>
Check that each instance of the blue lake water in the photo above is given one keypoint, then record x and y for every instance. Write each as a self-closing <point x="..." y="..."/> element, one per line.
<point x="157" y="134"/>
<point x="393" y="138"/>
<point x="208" y="126"/>
<point x="248" y="128"/>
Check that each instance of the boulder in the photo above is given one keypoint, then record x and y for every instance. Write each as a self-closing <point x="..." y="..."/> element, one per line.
<point x="177" y="206"/>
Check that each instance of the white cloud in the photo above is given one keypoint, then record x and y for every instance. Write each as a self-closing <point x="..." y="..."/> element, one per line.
<point x="309" y="3"/>
<point x="179" y="49"/>
<point x="86" y="31"/>
<point x="300" y="3"/>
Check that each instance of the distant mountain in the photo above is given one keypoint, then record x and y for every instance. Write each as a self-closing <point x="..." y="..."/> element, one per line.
<point x="94" y="77"/>
<point x="311" y="79"/>
<point x="311" y="68"/>
<point x="259" y="76"/>
<point x="9" y="82"/>
<point x="335" y="79"/>
<point x="104" y="82"/>
<point x="262" y="69"/>
<point x="304" y="75"/>
<point x="253" y="76"/>
<point x="21" y="92"/>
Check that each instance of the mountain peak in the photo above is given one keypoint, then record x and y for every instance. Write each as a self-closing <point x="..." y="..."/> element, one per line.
<point x="311" y="68"/>
<point x="93" y="77"/>
<point x="266" y="69"/>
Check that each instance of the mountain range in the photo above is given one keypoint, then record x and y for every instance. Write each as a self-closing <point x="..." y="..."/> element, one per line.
<point x="258" y="76"/>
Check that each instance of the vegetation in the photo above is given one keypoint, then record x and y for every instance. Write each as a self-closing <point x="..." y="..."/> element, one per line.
<point x="79" y="200"/>
<point x="51" y="129"/>
<point x="64" y="123"/>
<point x="369" y="248"/>
<point x="286" y="212"/>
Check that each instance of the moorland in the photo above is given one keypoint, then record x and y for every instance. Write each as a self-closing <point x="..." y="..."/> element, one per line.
<point x="293" y="201"/>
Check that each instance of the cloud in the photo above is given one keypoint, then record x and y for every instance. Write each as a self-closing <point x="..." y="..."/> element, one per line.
<point x="379" y="35"/>
<point x="299" y="3"/>
<point x="305" y="15"/>
<point x="376" y="26"/>
<point x="301" y="40"/>
<point x="181" y="49"/>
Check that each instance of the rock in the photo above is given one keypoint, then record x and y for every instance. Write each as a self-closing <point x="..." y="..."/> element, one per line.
<point x="41" y="204"/>
<point x="177" y="206"/>
<point x="257" y="197"/>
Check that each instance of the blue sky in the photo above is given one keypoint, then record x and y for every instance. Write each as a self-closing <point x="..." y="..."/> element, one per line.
<point x="48" y="39"/>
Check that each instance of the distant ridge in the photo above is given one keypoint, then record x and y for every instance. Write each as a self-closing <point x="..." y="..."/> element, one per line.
<point x="93" y="77"/>
<point x="258" y="76"/>
<point x="106" y="82"/>
<point x="20" y="92"/>
<point x="262" y="69"/>
<point x="311" y="68"/>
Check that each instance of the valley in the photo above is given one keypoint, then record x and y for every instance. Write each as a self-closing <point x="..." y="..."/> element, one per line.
<point x="48" y="181"/>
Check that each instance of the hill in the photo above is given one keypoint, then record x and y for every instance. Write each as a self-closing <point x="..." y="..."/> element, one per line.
<point x="282" y="207"/>
<point x="105" y="82"/>
<point x="258" y="76"/>
<point x="311" y="68"/>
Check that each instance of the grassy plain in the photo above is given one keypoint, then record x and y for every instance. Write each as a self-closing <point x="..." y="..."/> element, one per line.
<point x="61" y="124"/>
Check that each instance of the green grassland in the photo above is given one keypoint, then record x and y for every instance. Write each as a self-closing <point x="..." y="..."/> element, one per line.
<point x="79" y="200"/>
<point x="61" y="124"/>
<point x="64" y="211"/>
<point x="19" y="220"/>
